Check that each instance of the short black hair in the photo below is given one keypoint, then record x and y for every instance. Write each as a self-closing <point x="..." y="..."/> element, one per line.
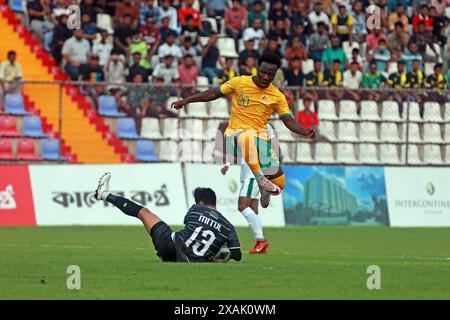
<point x="269" y="58"/>
<point x="11" y="52"/>
<point x="205" y="195"/>
<point x="438" y="65"/>
<point x="399" y="24"/>
<point x="337" y="61"/>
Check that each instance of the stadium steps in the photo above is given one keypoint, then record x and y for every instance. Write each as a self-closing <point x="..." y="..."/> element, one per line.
<point x="89" y="139"/>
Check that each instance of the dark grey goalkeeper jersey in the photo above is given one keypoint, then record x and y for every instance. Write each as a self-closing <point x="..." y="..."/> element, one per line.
<point x="206" y="231"/>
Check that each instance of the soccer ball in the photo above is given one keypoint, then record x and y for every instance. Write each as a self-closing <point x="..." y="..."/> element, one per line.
<point x="223" y="255"/>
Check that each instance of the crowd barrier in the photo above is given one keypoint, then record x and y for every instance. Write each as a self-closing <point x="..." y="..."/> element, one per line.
<point x="314" y="195"/>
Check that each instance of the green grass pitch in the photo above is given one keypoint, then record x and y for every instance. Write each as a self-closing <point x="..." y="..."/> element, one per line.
<point x="303" y="263"/>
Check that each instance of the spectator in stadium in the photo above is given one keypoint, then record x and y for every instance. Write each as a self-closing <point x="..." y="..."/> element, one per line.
<point x="415" y="78"/>
<point x="210" y="58"/>
<point x="435" y="81"/>
<point x="136" y="100"/>
<point x="249" y="51"/>
<point x="424" y="18"/>
<point x="411" y="54"/>
<point x="318" y="15"/>
<point x="86" y="7"/>
<point x="299" y="17"/>
<point x="167" y="70"/>
<point x="76" y="52"/>
<point x="138" y="68"/>
<point x="399" y="16"/>
<point x="170" y="48"/>
<point x="188" y="10"/>
<point x="308" y="118"/>
<point x="372" y="79"/>
<point x="373" y="39"/>
<point x="279" y="31"/>
<point x="295" y="49"/>
<point x="151" y="34"/>
<point x="127" y="8"/>
<point x="397" y="80"/>
<point x="293" y="75"/>
<point x="123" y="34"/>
<point x="298" y="31"/>
<point x="10" y="76"/>
<point x="273" y="47"/>
<point x="277" y="13"/>
<point x="89" y="28"/>
<point x="359" y="23"/>
<point x="235" y="20"/>
<point x="60" y="34"/>
<point x="166" y="10"/>
<point x="59" y="8"/>
<point x="352" y="79"/>
<point x="115" y="71"/>
<point x="214" y="9"/>
<point x="148" y="10"/>
<point x="138" y="44"/>
<point x="228" y="72"/>
<point x="187" y="47"/>
<point x="382" y="56"/>
<point x="40" y="20"/>
<point x="257" y="12"/>
<point x="165" y="29"/>
<point x="249" y="68"/>
<point x="101" y="48"/>
<point x="356" y="57"/>
<point x="256" y="33"/>
<point x="94" y="72"/>
<point x="440" y="24"/>
<point x="316" y="77"/>
<point x="188" y="73"/>
<point x="422" y="38"/>
<point x="318" y="42"/>
<point x="189" y="29"/>
<point x="333" y="79"/>
<point x="335" y="52"/>
<point x="397" y="41"/>
<point x="342" y="24"/>
<point x="439" y="6"/>
<point x="157" y="96"/>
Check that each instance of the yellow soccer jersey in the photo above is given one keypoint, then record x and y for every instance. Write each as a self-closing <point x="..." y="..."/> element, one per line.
<point x="252" y="106"/>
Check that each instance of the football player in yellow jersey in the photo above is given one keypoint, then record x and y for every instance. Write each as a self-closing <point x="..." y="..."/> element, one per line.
<point x="253" y="100"/>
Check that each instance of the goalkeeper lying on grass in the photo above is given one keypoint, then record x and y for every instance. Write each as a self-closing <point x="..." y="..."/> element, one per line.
<point x="207" y="237"/>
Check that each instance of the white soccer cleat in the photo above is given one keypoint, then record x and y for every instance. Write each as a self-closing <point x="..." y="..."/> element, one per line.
<point x="103" y="187"/>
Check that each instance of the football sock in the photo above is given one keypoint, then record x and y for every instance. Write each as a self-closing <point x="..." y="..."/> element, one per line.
<point x="126" y="206"/>
<point x="255" y="223"/>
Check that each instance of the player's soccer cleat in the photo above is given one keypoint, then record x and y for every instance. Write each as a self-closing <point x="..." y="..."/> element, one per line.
<point x="103" y="187"/>
<point x="267" y="185"/>
<point x="265" y="199"/>
<point x="260" y="247"/>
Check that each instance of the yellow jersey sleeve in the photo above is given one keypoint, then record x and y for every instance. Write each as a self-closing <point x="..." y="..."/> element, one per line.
<point x="282" y="107"/>
<point x="230" y="86"/>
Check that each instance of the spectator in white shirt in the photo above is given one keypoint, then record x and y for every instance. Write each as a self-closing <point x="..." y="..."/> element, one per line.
<point x="115" y="72"/>
<point x="165" y="10"/>
<point x="170" y="48"/>
<point x="76" y="52"/>
<point x="352" y="80"/>
<point x="167" y="70"/>
<point x="317" y="15"/>
<point x="255" y="33"/>
<point x="102" y="48"/>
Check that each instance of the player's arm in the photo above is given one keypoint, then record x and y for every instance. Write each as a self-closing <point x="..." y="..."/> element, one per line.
<point x="205" y="96"/>
<point x="295" y="127"/>
<point x="236" y="254"/>
<point x="234" y="246"/>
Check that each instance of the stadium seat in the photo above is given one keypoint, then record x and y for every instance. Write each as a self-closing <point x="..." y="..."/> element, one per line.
<point x="389" y="154"/>
<point x="327" y="110"/>
<point x="414" y="111"/>
<point x="432" y="133"/>
<point x="197" y="109"/>
<point x="283" y="133"/>
<point x="191" y="151"/>
<point x="287" y="152"/>
<point x="304" y="152"/>
<point x="18" y="6"/>
<point x="168" y="151"/>
<point x="368" y="132"/>
<point x="429" y="52"/>
<point x="107" y="107"/>
<point x="126" y="129"/>
<point x="104" y="21"/>
<point x="432" y="154"/>
<point x="389" y="132"/>
<point x="447" y="112"/>
<point x="8" y="127"/>
<point x="347" y="110"/>
<point x="326" y="129"/>
<point x="447" y="133"/>
<point x="301" y="107"/>
<point x="369" y="110"/>
<point x="392" y="68"/>
<point x="348" y="49"/>
<point x="208" y="151"/>
<point x="150" y="128"/>
<point x="390" y="111"/>
<point x="413" y="154"/>
<point x="227" y="47"/>
<point x="202" y="82"/>
<point x="368" y="154"/>
<point x="32" y="127"/>
<point x="324" y="153"/>
<point x="432" y="112"/>
<point x="193" y="129"/>
<point x="347" y="131"/>
<point x="170" y="128"/>
<point x="212" y="127"/>
<point x="429" y="68"/>
<point x="6" y="149"/>
<point x="26" y="150"/>
<point x="145" y="151"/>
<point x="346" y="153"/>
<point x="219" y="108"/>
<point x="51" y="150"/>
<point x="447" y="154"/>
<point x="14" y="104"/>
<point x="307" y="66"/>
<point x="414" y="133"/>
<point x="212" y="21"/>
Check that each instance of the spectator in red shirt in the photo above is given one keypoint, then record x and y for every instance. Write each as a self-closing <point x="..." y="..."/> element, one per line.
<point x="188" y="76"/>
<point x="295" y="49"/>
<point x="235" y="20"/>
<point x="151" y="34"/>
<point x="189" y="10"/>
<point x="373" y="38"/>
<point x="422" y="17"/>
<point x="128" y="7"/>
<point x="308" y="117"/>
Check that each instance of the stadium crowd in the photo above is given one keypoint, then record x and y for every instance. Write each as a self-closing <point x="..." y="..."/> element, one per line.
<point x="171" y="43"/>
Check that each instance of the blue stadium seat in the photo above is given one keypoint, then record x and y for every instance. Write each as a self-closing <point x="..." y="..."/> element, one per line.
<point x="145" y="151"/>
<point x="32" y="127"/>
<point x="126" y="129"/>
<point x="48" y="39"/>
<point x="50" y="149"/>
<point x="17" y="6"/>
<point x="107" y="107"/>
<point x="14" y="104"/>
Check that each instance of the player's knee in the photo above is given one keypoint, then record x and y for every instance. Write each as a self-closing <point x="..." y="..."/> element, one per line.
<point x="242" y="207"/>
